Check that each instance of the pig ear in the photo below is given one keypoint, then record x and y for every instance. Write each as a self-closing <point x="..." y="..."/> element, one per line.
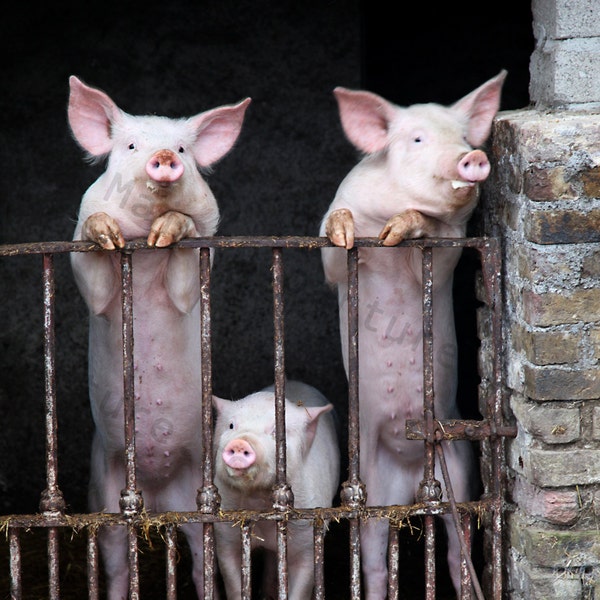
<point x="216" y="131"/>
<point x="218" y="403"/>
<point x="365" y="118"/>
<point x="481" y="106"/>
<point x="312" y="421"/>
<point x="91" y="115"/>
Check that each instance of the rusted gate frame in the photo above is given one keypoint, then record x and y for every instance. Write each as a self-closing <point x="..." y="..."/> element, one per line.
<point x="52" y="505"/>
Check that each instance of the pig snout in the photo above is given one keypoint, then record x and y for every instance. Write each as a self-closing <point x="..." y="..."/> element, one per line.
<point x="164" y="167"/>
<point x="474" y="166"/>
<point x="239" y="454"/>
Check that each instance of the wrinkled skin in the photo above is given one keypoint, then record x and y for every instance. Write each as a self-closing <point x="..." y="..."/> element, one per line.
<point x="245" y="473"/>
<point x="151" y="189"/>
<point x="419" y="178"/>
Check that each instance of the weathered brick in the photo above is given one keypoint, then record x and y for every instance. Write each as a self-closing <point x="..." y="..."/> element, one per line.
<point x="551" y="425"/>
<point x="562" y="226"/>
<point x="558" y="549"/>
<point x="557" y="506"/>
<point x="546" y="347"/>
<point x="547" y="383"/>
<point x="591" y="182"/>
<point x="596" y="423"/>
<point x="543" y="310"/>
<point x="559" y="468"/>
<point x="544" y="264"/>
<point x="547" y="184"/>
<point x="535" y="583"/>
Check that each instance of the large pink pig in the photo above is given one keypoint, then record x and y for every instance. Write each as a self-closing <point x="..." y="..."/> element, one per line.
<point x="151" y="188"/>
<point x="245" y="476"/>
<point x="419" y="178"/>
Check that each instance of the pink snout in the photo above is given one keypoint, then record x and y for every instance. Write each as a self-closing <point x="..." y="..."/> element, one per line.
<point x="165" y="167"/>
<point x="238" y="454"/>
<point x="474" y="166"/>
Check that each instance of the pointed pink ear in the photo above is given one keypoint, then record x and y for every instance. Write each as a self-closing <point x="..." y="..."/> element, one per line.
<point x="216" y="131"/>
<point x="91" y="115"/>
<point x="312" y="421"/>
<point x="481" y="106"/>
<point x="365" y="118"/>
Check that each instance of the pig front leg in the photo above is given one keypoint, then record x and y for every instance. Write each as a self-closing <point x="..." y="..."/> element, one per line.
<point x="181" y="278"/>
<point x="339" y="228"/>
<point x="229" y="556"/>
<point x="410" y="224"/>
<point x="301" y="561"/>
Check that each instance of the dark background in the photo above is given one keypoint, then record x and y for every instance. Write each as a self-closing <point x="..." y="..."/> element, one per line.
<point x="179" y="58"/>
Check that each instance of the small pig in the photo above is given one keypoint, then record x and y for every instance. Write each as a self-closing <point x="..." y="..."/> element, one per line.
<point x="151" y="188"/>
<point x="419" y="178"/>
<point x="244" y="447"/>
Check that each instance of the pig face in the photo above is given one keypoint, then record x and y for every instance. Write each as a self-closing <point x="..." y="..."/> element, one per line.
<point x="245" y="438"/>
<point x="426" y="150"/>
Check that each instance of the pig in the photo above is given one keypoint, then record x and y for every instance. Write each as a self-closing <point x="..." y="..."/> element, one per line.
<point x="244" y="450"/>
<point x="419" y="178"/>
<point x="151" y="188"/>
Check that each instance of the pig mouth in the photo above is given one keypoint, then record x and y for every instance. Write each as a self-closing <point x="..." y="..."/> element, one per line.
<point x="460" y="183"/>
<point x="156" y="186"/>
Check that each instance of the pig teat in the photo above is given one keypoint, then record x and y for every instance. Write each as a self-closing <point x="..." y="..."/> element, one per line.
<point x="164" y="166"/>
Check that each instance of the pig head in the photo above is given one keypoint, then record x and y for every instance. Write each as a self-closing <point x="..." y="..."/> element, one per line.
<point x="419" y="177"/>
<point x="152" y="188"/>
<point x="245" y="473"/>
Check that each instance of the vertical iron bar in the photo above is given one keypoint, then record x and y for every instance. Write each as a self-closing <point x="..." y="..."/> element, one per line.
<point x="171" y="540"/>
<point x="492" y="272"/>
<point x="246" y="535"/>
<point x="52" y="499"/>
<point x="53" y="565"/>
<point x="465" y="575"/>
<point x="353" y="493"/>
<point x="283" y="497"/>
<point x="393" y="561"/>
<point x="92" y="564"/>
<point x="319" y="531"/>
<point x="131" y="501"/>
<point x="208" y="500"/>
<point x="430" y="489"/>
<point x="16" y="584"/>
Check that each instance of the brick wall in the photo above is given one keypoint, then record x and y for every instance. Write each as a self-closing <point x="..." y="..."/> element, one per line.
<point x="543" y="200"/>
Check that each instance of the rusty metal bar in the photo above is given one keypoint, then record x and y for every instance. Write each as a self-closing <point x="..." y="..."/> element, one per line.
<point x="353" y="495"/>
<point x="131" y="502"/>
<point x="53" y="564"/>
<point x="465" y="573"/>
<point x="246" y="540"/>
<point x="52" y="501"/>
<point x="319" y="531"/>
<point x="16" y="583"/>
<point x="429" y="488"/>
<point x="171" y="569"/>
<point x="393" y="561"/>
<point x="491" y="269"/>
<point x="208" y="499"/>
<point x="283" y="497"/>
<point x="93" y="583"/>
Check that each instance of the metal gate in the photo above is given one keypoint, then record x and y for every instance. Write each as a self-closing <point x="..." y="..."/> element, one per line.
<point x="490" y="432"/>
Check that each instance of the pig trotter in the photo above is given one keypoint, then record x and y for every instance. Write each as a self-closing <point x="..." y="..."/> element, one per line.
<point x="409" y="224"/>
<point x="104" y="230"/>
<point x="169" y="228"/>
<point x="340" y="228"/>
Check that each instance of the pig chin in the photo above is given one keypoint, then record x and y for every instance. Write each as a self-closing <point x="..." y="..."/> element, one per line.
<point x="246" y="478"/>
<point x="463" y="192"/>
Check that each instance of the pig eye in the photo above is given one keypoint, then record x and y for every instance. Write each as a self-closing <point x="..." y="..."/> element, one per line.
<point x="231" y="425"/>
<point x="417" y="140"/>
<point x="131" y="146"/>
<point x="181" y="149"/>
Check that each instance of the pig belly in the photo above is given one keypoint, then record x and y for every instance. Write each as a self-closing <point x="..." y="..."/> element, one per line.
<point x="167" y="387"/>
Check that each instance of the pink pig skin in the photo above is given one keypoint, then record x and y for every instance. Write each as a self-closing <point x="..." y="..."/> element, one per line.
<point x="419" y="178"/>
<point x="245" y="475"/>
<point x="151" y="188"/>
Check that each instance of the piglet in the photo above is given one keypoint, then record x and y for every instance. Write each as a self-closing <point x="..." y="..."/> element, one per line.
<point x="151" y="188"/>
<point x="245" y="474"/>
<point x="419" y="177"/>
